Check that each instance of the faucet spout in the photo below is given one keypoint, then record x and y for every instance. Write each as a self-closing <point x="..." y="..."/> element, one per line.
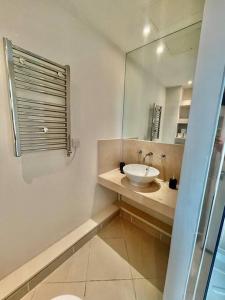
<point x="149" y="154"/>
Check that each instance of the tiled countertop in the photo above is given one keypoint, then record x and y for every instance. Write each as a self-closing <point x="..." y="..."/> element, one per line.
<point x="157" y="197"/>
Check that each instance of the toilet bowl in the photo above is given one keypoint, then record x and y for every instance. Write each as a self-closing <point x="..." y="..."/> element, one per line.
<point x="66" y="297"/>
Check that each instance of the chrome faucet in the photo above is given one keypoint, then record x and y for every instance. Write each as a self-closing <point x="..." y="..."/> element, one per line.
<point x="139" y="156"/>
<point x="149" y="154"/>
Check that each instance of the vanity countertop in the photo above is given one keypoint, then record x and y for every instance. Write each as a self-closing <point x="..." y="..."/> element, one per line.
<point x="157" y="196"/>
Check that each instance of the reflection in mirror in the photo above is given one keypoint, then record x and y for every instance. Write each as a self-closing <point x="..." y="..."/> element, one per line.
<point x="158" y="87"/>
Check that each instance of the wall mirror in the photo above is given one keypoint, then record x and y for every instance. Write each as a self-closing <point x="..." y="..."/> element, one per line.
<point x="158" y="87"/>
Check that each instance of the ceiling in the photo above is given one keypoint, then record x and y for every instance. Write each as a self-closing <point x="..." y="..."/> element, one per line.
<point x="176" y="65"/>
<point x="122" y="21"/>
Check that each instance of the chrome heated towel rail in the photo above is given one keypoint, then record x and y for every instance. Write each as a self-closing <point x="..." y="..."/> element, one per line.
<point x="39" y="92"/>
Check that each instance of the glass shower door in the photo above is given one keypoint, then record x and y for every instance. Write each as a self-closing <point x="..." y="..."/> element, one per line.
<point x="215" y="289"/>
<point x="206" y="261"/>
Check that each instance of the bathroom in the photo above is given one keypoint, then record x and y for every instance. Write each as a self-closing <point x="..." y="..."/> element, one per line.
<point x="109" y="85"/>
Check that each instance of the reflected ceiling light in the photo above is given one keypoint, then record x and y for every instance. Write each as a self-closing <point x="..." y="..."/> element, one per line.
<point x="146" y="30"/>
<point x="189" y="82"/>
<point x="160" y="49"/>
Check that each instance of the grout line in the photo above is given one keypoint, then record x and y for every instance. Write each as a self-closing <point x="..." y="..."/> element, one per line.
<point x="88" y="261"/>
<point x="98" y="280"/>
<point x="85" y="289"/>
<point x="111" y="238"/>
<point x="128" y="257"/>
<point x="33" y="294"/>
<point x="129" y="263"/>
<point x="103" y="280"/>
<point x="87" y="281"/>
<point x="133" y="285"/>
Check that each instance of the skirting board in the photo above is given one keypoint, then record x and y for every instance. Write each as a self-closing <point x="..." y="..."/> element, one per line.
<point x="20" y="282"/>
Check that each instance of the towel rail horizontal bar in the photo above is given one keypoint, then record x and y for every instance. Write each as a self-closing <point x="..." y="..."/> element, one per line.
<point x="27" y="88"/>
<point x="43" y="149"/>
<point x="30" y="107"/>
<point x="37" y="56"/>
<point x="30" y="75"/>
<point x="38" y="144"/>
<point x="41" y="127"/>
<point x="40" y="84"/>
<point x="32" y="114"/>
<point x="36" y="130"/>
<point x="27" y="121"/>
<point x="37" y="63"/>
<point x="40" y="102"/>
<point x="33" y="69"/>
<point x="41" y="133"/>
<point x="33" y="134"/>
<point x="44" y="138"/>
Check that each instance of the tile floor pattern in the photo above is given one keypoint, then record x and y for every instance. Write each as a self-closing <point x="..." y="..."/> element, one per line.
<point x="121" y="263"/>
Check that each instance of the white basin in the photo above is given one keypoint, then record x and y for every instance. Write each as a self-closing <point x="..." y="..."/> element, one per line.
<point x="140" y="175"/>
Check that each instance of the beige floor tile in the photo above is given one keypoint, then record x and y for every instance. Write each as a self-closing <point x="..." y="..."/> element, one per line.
<point x="79" y="264"/>
<point x="110" y="290"/>
<point x="119" y="253"/>
<point x="74" y="269"/>
<point x="47" y="291"/>
<point x="60" y="274"/>
<point x="113" y="230"/>
<point x="108" y="260"/>
<point x="148" y="256"/>
<point x="145" y="290"/>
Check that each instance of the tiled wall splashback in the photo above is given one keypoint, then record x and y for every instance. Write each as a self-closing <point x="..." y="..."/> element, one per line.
<point x="169" y="166"/>
<point x="111" y="152"/>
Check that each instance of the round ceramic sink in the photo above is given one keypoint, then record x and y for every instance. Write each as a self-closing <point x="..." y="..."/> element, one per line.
<point x="140" y="175"/>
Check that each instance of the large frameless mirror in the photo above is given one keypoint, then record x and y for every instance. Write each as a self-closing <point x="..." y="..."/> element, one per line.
<point x="158" y="87"/>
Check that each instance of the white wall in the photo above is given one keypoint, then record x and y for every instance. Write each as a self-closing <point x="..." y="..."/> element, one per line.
<point x="43" y="196"/>
<point x="142" y="89"/>
<point x="173" y="98"/>
<point x="198" y="147"/>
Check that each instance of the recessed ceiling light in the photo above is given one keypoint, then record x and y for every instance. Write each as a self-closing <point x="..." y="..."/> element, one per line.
<point x="189" y="82"/>
<point x="146" y="30"/>
<point x="160" y="49"/>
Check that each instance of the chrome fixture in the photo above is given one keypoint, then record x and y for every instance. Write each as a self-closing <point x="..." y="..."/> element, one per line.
<point x="139" y="155"/>
<point x="155" y="122"/>
<point x="149" y="154"/>
<point x="39" y="92"/>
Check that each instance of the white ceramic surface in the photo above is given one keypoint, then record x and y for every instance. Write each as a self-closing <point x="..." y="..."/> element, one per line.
<point x="139" y="174"/>
<point x="66" y="297"/>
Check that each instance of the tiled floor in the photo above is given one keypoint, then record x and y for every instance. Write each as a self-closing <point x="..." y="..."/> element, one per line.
<point x="121" y="263"/>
